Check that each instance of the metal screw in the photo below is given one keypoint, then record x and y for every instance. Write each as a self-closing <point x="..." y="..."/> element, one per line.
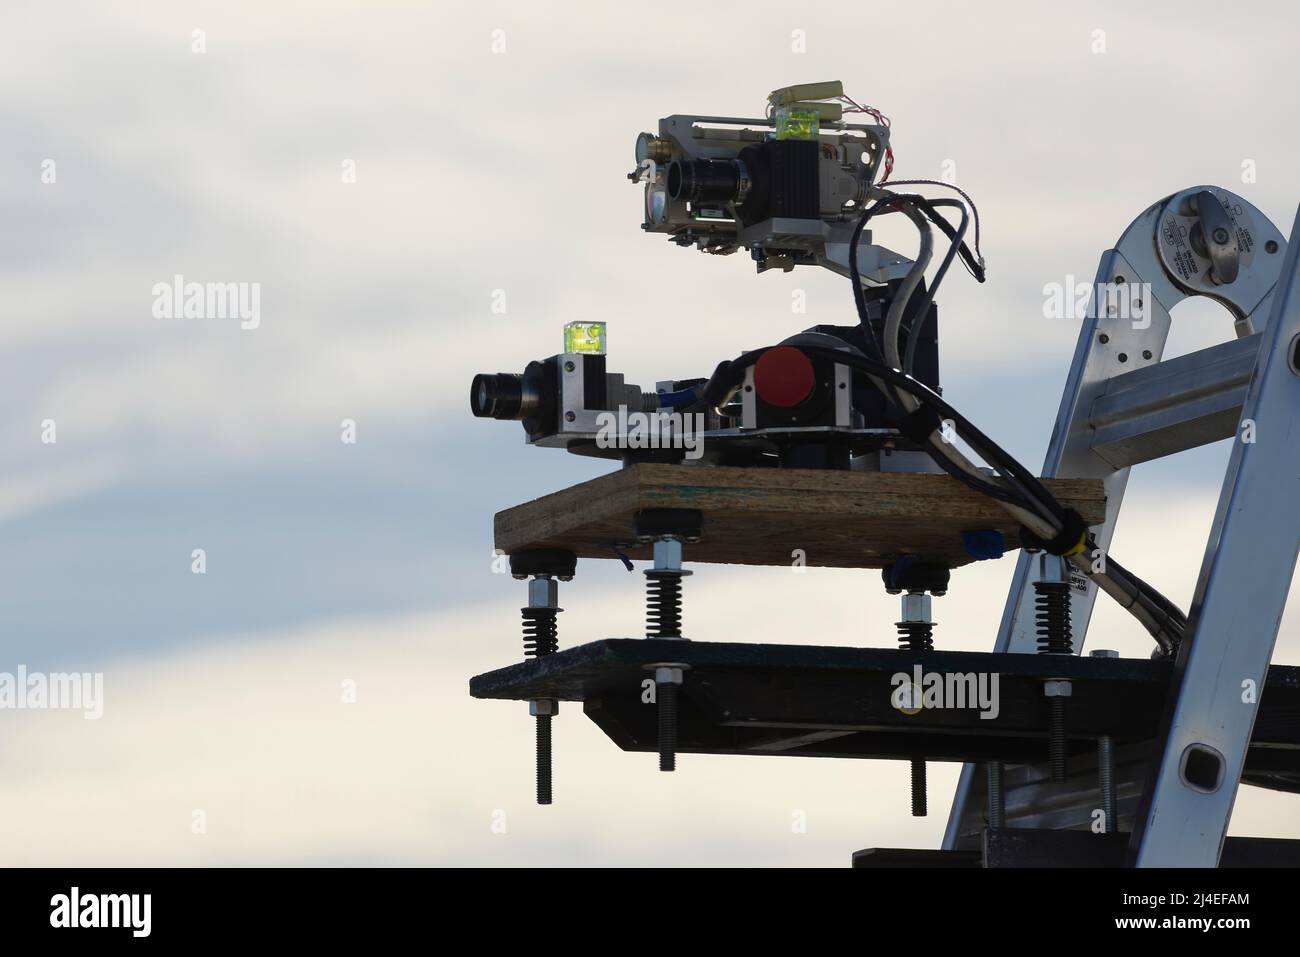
<point x="918" y="788"/>
<point x="1106" y="765"/>
<point x="916" y="633"/>
<point x="1220" y="235"/>
<point x="1056" y="737"/>
<point x="997" y="800"/>
<point x="543" y="759"/>
<point x="1106" y="781"/>
<point x="667" y="727"/>
<point x="540" y="640"/>
<point x="542" y="712"/>
<point x="664" y="617"/>
<point x="668" y="681"/>
<point x="1054" y="638"/>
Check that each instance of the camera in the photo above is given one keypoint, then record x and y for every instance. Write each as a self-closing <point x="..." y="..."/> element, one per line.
<point x="788" y="187"/>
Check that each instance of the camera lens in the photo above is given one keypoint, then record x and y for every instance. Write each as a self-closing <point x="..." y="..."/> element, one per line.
<point x="704" y="180"/>
<point x="499" y="396"/>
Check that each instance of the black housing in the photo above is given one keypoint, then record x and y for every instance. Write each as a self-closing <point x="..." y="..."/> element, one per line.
<point x="782" y="177"/>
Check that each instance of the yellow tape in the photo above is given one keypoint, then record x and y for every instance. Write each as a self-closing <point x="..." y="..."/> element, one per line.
<point x="1083" y="544"/>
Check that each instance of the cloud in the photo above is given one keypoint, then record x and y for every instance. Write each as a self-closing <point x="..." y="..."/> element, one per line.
<point x="250" y="729"/>
<point x="479" y="173"/>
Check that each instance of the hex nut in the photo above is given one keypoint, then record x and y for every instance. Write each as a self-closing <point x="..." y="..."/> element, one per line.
<point x="1058" y="688"/>
<point x="668" y="676"/>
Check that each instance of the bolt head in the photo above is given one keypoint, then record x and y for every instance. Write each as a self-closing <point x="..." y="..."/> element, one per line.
<point x="1103" y="653"/>
<point x="543" y="707"/>
<point x="668" y="676"/>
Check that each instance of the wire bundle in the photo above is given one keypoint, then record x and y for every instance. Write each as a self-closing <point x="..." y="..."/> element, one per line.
<point x="1016" y="488"/>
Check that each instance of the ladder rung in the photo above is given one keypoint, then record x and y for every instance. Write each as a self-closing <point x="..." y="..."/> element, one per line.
<point x="1174" y="405"/>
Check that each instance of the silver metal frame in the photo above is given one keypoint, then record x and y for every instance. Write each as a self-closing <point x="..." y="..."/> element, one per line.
<point x="1115" y="360"/>
<point x="1240" y="596"/>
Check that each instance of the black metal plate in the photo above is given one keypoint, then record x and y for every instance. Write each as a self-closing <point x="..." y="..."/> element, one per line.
<point x="823" y="701"/>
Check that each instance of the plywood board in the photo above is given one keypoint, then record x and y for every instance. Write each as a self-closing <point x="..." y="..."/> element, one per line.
<point x="757" y="516"/>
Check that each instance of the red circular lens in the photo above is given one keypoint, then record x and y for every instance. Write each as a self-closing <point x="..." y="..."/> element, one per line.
<point x="784" y="376"/>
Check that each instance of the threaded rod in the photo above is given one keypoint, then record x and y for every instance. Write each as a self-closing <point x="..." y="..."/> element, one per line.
<point x="918" y="788"/>
<point x="1106" y="778"/>
<point x="666" y="696"/>
<point x="997" y="798"/>
<point x="1057" y="752"/>
<point x="543" y="759"/>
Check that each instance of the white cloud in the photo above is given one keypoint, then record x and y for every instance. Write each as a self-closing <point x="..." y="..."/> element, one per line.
<point x="251" y="730"/>
<point x="376" y="295"/>
<point x="476" y="173"/>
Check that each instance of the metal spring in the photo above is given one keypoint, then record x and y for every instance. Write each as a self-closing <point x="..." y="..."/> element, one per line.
<point x="663" y="604"/>
<point x="1052" y="613"/>
<point x="915" y="635"/>
<point x="541" y="632"/>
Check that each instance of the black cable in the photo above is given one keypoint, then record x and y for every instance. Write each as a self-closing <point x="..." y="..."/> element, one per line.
<point x="953" y="186"/>
<point x="1162" y="604"/>
<point x="1015" y="474"/>
<point x="969" y="259"/>
<point x="955" y="236"/>
<point x="855" y="277"/>
<point x="1011" y="470"/>
<point x="1033" y="496"/>
<point x="921" y="312"/>
<point x="983" y="487"/>
<point x="1037" y="498"/>
<point x="728" y="375"/>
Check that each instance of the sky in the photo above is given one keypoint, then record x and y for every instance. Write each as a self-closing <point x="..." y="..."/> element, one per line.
<point x="386" y="174"/>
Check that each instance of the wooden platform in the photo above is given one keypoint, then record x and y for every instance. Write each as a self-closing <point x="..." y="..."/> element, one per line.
<point x="758" y="516"/>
